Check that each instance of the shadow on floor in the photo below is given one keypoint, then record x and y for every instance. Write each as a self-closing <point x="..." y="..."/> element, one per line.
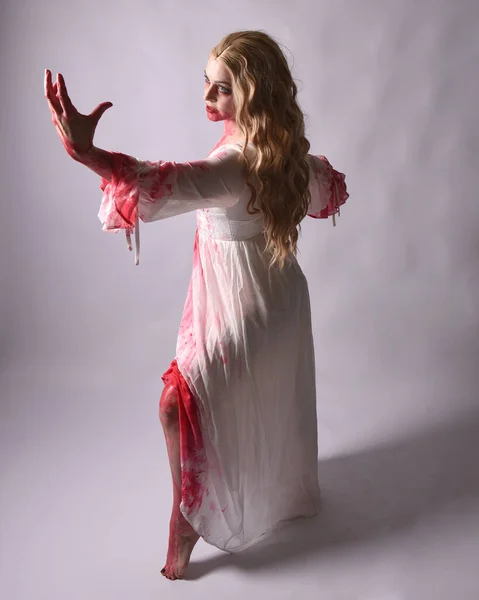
<point x="369" y="495"/>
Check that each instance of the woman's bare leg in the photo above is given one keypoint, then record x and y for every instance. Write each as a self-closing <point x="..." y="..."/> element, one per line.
<point x="182" y="537"/>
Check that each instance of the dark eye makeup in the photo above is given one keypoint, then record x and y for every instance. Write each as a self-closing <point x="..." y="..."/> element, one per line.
<point x="220" y="87"/>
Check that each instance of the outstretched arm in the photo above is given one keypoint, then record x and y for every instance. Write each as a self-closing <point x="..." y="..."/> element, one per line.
<point x="98" y="160"/>
<point x="150" y="191"/>
<point x="135" y="189"/>
<point x="154" y="190"/>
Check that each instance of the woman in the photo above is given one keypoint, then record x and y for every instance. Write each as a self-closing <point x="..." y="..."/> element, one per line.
<point x="239" y="404"/>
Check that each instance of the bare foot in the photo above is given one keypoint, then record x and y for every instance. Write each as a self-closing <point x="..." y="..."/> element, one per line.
<point x="180" y="546"/>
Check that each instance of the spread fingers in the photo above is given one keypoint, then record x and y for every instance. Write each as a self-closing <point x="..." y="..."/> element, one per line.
<point x="51" y="96"/>
<point x="63" y="95"/>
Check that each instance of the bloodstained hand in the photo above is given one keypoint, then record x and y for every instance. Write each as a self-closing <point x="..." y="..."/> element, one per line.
<point x="75" y="130"/>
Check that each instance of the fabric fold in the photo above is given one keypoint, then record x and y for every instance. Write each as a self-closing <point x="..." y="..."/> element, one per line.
<point x="134" y="185"/>
<point x="119" y="205"/>
<point x="333" y="183"/>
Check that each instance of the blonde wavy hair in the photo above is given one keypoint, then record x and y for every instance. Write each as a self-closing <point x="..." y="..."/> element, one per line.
<point x="268" y="116"/>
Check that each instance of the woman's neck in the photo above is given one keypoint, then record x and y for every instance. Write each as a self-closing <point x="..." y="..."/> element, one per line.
<point x="231" y="134"/>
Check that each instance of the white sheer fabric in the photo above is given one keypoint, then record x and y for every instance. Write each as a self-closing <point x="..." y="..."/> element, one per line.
<point x="245" y="343"/>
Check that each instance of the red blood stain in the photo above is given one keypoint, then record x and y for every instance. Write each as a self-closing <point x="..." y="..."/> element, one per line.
<point x="331" y="180"/>
<point x="192" y="453"/>
<point x="120" y="200"/>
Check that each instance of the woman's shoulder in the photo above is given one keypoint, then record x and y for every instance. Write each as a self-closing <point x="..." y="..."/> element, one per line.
<point x="230" y="149"/>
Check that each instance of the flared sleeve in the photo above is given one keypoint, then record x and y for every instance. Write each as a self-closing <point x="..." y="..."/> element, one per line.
<point x="150" y="191"/>
<point x="328" y="189"/>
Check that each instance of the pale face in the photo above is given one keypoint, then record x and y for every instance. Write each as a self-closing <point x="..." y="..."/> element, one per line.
<point x="218" y="92"/>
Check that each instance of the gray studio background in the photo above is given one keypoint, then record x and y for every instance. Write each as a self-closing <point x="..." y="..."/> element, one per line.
<point x="390" y="92"/>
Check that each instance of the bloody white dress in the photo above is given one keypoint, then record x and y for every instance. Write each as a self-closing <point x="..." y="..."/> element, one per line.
<point x="245" y="363"/>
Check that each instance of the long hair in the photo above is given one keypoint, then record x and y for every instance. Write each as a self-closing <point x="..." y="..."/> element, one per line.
<point x="268" y="116"/>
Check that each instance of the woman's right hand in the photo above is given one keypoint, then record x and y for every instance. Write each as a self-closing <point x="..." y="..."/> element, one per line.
<point x="75" y="130"/>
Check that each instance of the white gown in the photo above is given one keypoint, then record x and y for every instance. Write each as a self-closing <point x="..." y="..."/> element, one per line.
<point x="245" y="344"/>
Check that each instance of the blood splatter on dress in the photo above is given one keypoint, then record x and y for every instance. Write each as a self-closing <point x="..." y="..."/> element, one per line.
<point x="245" y="364"/>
